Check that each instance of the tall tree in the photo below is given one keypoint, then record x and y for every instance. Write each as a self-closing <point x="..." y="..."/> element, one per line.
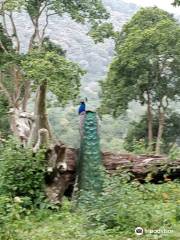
<point x="146" y="67"/>
<point x="63" y="77"/>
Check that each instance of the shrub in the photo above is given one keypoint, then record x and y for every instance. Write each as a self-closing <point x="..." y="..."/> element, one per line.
<point x="113" y="215"/>
<point x="124" y="206"/>
<point x="11" y="210"/>
<point x="174" y="152"/>
<point x="21" y="173"/>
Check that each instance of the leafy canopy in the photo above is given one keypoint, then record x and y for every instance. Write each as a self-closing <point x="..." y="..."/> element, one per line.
<point x="49" y="64"/>
<point x="4" y="124"/>
<point x="5" y="46"/>
<point x="147" y="61"/>
<point x="81" y="11"/>
<point x="61" y="75"/>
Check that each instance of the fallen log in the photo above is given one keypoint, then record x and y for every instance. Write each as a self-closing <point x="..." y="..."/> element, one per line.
<point x="141" y="167"/>
<point x="156" y="169"/>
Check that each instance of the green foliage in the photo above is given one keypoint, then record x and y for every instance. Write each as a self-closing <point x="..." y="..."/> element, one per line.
<point x="147" y="62"/>
<point x="115" y="144"/>
<point x="138" y="133"/>
<point x="101" y="32"/>
<point x="149" y="206"/>
<point x="145" y="19"/>
<point x="21" y="173"/>
<point x="61" y="75"/>
<point x="174" y="152"/>
<point x="21" y="185"/>
<point x="12" y="210"/>
<point x="113" y="215"/>
<point x="136" y="146"/>
<point x="33" y="7"/>
<point x="4" y="123"/>
<point x="146" y="67"/>
<point x="13" y="5"/>
<point x="5" y="41"/>
<point x="48" y="45"/>
<point x="5" y="46"/>
<point x="82" y="11"/>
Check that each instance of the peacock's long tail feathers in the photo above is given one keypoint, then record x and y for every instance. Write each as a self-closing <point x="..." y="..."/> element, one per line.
<point x="90" y="161"/>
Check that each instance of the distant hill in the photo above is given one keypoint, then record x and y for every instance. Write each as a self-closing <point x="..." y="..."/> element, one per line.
<point x="95" y="58"/>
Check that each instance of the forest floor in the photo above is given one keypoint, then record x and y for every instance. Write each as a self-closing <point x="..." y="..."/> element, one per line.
<point x="114" y="216"/>
<point x="45" y="226"/>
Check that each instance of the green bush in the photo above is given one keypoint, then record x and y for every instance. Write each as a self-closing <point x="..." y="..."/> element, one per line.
<point x="113" y="215"/>
<point x="138" y="146"/>
<point x="4" y="123"/>
<point x="174" y="152"/>
<point x="21" y="173"/>
<point x="12" y="210"/>
<point x="124" y="206"/>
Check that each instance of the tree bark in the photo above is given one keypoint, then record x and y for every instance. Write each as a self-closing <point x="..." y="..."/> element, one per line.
<point x="160" y="129"/>
<point x="27" y="87"/>
<point x="14" y="32"/>
<point x="36" y="34"/>
<point x="40" y="114"/>
<point x="21" y="124"/>
<point x="13" y="118"/>
<point x="150" y="123"/>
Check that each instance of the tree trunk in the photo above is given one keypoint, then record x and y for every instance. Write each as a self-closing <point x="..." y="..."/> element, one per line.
<point x="21" y="124"/>
<point x="150" y="123"/>
<point x="13" y="118"/>
<point x="26" y="97"/>
<point x="40" y="115"/>
<point x="160" y="130"/>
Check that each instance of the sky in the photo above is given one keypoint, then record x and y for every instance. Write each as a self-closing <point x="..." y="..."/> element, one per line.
<point x="164" y="4"/>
